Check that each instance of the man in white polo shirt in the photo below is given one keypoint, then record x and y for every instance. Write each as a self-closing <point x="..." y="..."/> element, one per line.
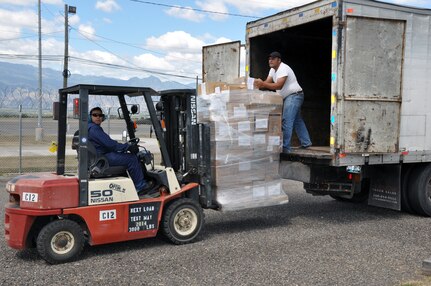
<point x="282" y="78"/>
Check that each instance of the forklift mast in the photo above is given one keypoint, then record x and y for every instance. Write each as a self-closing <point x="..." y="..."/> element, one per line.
<point x="188" y="142"/>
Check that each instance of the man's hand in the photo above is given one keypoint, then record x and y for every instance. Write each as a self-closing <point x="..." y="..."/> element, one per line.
<point x="258" y="83"/>
<point x="133" y="148"/>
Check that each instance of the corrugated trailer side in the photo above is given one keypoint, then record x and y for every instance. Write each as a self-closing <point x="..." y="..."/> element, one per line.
<point x="365" y="69"/>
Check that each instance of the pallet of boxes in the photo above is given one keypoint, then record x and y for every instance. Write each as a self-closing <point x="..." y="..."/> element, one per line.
<point x="246" y="138"/>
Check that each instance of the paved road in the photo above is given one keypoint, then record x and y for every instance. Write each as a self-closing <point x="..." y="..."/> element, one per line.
<point x="310" y="241"/>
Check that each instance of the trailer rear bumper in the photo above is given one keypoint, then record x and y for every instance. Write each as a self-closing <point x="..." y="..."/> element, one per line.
<point x="18" y="223"/>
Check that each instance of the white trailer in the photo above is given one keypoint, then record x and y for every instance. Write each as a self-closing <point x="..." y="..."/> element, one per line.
<point x="365" y="67"/>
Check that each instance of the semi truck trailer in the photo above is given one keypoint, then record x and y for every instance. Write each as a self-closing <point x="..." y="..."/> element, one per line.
<point x="365" y="68"/>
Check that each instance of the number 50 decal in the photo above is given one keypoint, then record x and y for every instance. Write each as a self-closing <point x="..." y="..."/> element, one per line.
<point x="101" y="193"/>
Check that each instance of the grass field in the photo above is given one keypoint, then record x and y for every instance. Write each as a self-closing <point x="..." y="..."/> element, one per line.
<point x="10" y="165"/>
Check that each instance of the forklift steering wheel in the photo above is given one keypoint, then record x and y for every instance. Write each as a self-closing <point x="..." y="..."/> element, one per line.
<point x="134" y="141"/>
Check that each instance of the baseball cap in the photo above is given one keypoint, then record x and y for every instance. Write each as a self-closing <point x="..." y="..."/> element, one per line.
<point x="275" y="55"/>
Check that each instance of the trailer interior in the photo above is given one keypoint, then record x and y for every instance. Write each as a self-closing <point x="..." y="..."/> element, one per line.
<point x="307" y="50"/>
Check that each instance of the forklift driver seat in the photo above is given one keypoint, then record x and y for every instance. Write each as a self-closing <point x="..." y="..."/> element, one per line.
<point x="98" y="165"/>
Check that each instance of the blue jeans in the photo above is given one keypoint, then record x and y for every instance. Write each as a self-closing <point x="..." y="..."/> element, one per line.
<point x="292" y="119"/>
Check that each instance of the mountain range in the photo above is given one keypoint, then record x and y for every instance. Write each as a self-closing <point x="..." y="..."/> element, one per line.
<point x="24" y="76"/>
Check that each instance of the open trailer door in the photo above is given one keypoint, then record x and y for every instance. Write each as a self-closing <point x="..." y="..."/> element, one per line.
<point x="221" y="62"/>
<point x="372" y="85"/>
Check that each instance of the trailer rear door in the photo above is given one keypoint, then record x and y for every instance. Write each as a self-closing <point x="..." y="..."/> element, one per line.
<point x="221" y="62"/>
<point x="372" y="84"/>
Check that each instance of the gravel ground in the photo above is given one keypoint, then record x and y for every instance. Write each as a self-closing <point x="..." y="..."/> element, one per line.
<point x="309" y="241"/>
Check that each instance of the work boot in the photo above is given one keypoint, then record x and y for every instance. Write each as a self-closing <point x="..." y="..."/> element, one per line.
<point x="148" y="190"/>
<point x="286" y="150"/>
<point x="151" y="194"/>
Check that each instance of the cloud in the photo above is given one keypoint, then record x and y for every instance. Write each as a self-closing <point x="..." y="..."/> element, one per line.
<point x="185" y="14"/>
<point x="26" y="18"/>
<point x="177" y="40"/>
<point x="88" y="68"/>
<point x="100" y="56"/>
<point x="107" y="5"/>
<point x="188" y="64"/>
<point x="222" y="40"/>
<point x="183" y="52"/>
<point x="24" y="23"/>
<point x="215" y="6"/>
<point x="149" y="61"/>
<point x="87" y="31"/>
<point x="73" y="19"/>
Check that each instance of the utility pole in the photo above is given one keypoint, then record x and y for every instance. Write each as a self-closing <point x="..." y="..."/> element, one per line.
<point x="39" y="129"/>
<point x="67" y="10"/>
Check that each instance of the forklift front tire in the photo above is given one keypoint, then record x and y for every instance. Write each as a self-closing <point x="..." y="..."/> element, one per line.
<point x="60" y="241"/>
<point x="182" y="221"/>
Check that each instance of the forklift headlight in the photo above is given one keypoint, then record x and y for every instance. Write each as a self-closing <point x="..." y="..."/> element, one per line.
<point x="10" y="187"/>
<point x="353" y="169"/>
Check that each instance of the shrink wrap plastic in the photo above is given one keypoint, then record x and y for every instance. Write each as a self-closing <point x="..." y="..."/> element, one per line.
<point x="246" y="141"/>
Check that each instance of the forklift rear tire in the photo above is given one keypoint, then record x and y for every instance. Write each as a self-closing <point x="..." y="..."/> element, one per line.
<point x="182" y="221"/>
<point x="60" y="241"/>
<point x="419" y="190"/>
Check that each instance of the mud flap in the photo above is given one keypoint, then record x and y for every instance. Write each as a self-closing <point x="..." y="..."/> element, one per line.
<point x="385" y="186"/>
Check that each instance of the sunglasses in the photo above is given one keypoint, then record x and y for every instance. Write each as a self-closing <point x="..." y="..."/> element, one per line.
<point x="98" y="115"/>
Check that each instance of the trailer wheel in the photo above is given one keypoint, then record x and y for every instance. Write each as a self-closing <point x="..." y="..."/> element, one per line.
<point x="182" y="221"/>
<point x="405" y="201"/>
<point x="420" y="190"/>
<point x="60" y="241"/>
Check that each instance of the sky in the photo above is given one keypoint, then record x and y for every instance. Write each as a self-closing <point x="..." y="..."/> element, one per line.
<point x="132" y="38"/>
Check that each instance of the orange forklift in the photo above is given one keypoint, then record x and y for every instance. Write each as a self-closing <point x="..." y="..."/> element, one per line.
<point x="58" y="213"/>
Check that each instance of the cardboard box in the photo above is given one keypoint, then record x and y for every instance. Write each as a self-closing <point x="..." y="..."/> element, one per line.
<point x="207" y="88"/>
<point x="261" y="122"/>
<point x="274" y="124"/>
<point x="232" y="175"/>
<point x="236" y="86"/>
<point x="244" y="171"/>
<point x="229" y="152"/>
<point x="236" y="131"/>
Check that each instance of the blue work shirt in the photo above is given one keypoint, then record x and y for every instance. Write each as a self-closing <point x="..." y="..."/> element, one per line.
<point x="102" y="142"/>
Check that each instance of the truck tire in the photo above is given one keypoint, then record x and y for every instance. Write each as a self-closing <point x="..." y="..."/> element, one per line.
<point x="420" y="190"/>
<point x="60" y="241"/>
<point x="182" y="221"/>
<point x="405" y="201"/>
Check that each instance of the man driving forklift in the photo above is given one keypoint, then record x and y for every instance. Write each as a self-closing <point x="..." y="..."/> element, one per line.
<point x="116" y="153"/>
